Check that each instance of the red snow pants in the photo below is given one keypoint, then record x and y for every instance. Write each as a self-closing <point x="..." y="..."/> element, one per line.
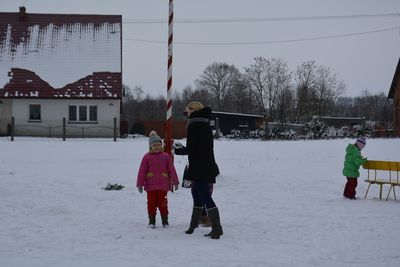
<point x="157" y="199"/>
<point x="350" y="188"/>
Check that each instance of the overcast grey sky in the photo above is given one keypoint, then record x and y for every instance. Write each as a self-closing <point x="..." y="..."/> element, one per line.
<point x="365" y="60"/>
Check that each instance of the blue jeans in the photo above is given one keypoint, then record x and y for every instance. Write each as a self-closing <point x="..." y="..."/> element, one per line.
<point x="201" y="193"/>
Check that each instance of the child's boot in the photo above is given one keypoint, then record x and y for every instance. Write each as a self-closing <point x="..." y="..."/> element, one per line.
<point x="152" y="221"/>
<point x="164" y="219"/>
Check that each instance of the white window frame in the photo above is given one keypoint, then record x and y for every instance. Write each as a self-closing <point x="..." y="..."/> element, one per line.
<point x="40" y="113"/>
<point x="89" y="108"/>
<point x="77" y="114"/>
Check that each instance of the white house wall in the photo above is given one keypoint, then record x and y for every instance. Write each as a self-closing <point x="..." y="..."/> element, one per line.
<point x="54" y="110"/>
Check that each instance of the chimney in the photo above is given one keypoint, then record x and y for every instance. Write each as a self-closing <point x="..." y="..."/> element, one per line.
<point x="22" y="13"/>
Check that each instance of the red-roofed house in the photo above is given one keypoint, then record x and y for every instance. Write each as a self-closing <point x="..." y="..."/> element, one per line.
<point x="394" y="94"/>
<point x="55" y="66"/>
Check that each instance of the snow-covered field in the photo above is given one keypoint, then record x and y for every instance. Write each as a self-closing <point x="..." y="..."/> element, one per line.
<point x="281" y="204"/>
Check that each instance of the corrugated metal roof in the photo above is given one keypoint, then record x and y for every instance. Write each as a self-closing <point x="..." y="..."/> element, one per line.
<point x="60" y="55"/>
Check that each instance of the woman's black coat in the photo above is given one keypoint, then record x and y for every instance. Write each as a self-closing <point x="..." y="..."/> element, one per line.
<point x="200" y="147"/>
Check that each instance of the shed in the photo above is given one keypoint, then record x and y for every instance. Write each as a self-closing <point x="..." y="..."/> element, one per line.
<point x="226" y="121"/>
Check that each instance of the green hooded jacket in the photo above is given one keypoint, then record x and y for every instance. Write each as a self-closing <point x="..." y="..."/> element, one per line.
<point x="353" y="161"/>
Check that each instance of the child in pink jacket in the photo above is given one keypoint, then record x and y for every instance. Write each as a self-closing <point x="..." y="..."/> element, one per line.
<point x="156" y="175"/>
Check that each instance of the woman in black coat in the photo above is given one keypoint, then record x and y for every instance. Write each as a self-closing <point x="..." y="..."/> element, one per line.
<point x="202" y="169"/>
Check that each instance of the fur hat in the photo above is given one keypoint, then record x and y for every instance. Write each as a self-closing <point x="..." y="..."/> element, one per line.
<point x="361" y="142"/>
<point x="154" y="138"/>
<point x="194" y="106"/>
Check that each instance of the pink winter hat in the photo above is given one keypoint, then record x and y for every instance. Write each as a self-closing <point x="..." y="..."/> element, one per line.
<point x="361" y="142"/>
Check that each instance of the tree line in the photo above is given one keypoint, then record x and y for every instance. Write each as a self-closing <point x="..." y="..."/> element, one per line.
<point x="266" y="87"/>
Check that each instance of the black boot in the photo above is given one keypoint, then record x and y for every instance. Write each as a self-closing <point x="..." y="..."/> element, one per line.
<point x="216" y="231"/>
<point x="194" y="221"/>
<point x="152" y="221"/>
<point x="164" y="219"/>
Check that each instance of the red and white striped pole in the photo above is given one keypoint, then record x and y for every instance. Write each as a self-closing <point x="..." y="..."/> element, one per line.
<point x="168" y="125"/>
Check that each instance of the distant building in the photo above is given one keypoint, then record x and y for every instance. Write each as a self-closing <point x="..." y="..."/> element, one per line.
<point x="394" y="93"/>
<point x="55" y="66"/>
<point x="226" y="121"/>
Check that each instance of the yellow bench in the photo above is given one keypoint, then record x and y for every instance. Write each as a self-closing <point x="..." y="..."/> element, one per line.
<point x="373" y="166"/>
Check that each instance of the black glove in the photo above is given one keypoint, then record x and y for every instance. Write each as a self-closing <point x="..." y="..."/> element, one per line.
<point x="178" y="145"/>
<point x="179" y="149"/>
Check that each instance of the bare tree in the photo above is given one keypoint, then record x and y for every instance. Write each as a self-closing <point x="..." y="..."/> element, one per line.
<point x="203" y="96"/>
<point x="327" y="89"/>
<point x="279" y="81"/>
<point x="153" y="108"/>
<point x="385" y="108"/>
<point x="285" y="105"/>
<point x="305" y="78"/>
<point x="131" y="109"/>
<point x="240" y="98"/>
<point x="373" y="107"/>
<point x="344" y="107"/>
<point x="137" y="93"/>
<point x="178" y="106"/>
<point x="218" y="79"/>
<point x="187" y="94"/>
<point x="258" y="84"/>
<point x="267" y="78"/>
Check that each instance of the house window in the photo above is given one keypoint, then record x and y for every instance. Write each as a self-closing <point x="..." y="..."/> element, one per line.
<point x="82" y="113"/>
<point x="93" y="113"/>
<point x="34" y="112"/>
<point x="72" y="113"/>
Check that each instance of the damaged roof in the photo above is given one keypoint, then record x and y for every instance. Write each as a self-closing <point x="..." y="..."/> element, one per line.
<point x="60" y="55"/>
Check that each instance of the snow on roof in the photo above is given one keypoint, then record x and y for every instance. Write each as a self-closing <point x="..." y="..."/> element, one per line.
<point x="237" y="114"/>
<point x="60" y="50"/>
<point x="26" y="83"/>
<point x="341" y="118"/>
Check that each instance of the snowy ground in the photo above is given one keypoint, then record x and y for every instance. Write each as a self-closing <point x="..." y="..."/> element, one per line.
<point x="281" y="205"/>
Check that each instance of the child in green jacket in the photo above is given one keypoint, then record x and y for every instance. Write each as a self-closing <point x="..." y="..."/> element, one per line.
<point x="353" y="161"/>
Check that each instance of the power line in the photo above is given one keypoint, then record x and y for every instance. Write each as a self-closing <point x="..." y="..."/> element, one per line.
<point x="268" y="42"/>
<point x="261" y="19"/>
